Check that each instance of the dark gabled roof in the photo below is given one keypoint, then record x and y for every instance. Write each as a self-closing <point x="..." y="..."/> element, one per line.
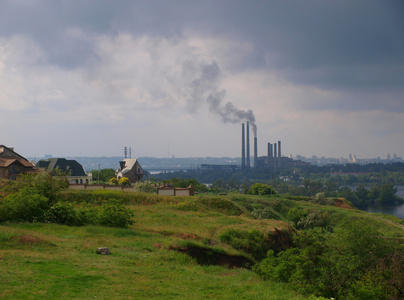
<point x="66" y="165"/>
<point x="6" y="152"/>
<point x="8" y="161"/>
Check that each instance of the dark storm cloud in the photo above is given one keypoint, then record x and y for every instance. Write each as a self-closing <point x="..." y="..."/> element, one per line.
<point x="349" y="45"/>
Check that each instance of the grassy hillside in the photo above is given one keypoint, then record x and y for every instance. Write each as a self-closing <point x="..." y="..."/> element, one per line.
<point x="174" y="249"/>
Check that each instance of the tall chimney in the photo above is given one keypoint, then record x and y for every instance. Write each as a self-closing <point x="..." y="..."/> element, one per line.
<point x="279" y="149"/>
<point x="269" y="155"/>
<point x="248" y="144"/>
<point x="242" y="147"/>
<point x="255" y="152"/>
<point x="275" y="157"/>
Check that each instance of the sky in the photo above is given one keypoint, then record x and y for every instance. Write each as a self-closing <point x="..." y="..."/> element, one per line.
<point x="87" y="78"/>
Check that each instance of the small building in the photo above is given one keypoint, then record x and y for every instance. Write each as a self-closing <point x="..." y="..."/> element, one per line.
<point x="12" y="164"/>
<point x="131" y="169"/>
<point x="73" y="170"/>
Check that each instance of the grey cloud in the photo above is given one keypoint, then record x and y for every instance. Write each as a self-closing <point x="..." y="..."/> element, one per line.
<point x="338" y="45"/>
<point x="300" y="35"/>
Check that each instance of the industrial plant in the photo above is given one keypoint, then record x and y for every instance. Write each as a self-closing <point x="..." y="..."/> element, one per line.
<point x="272" y="161"/>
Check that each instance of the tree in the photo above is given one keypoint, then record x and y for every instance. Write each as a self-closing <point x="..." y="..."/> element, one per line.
<point x="124" y="181"/>
<point x="113" y="181"/>
<point x="105" y="174"/>
<point x="346" y="192"/>
<point x="388" y="195"/>
<point x="261" y="189"/>
<point x="312" y="187"/>
<point x="44" y="184"/>
<point x="361" y="194"/>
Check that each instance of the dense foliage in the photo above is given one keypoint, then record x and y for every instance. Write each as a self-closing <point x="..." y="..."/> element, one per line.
<point x="103" y="175"/>
<point x="371" y="173"/>
<point x="384" y="194"/>
<point x="256" y="243"/>
<point x="124" y="181"/>
<point x="38" y="198"/>
<point x="355" y="262"/>
<point x="261" y="189"/>
<point x="145" y="187"/>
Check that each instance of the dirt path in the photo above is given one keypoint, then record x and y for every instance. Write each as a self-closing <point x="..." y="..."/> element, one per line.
<point x="394" y="224"/>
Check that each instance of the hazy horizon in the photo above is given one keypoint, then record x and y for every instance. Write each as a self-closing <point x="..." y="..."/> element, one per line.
<point x="179" y="77"/>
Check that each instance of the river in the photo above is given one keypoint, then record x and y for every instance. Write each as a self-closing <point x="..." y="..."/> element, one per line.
<point x="397" y="210"/>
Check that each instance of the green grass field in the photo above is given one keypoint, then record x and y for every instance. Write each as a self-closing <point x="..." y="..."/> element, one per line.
<point x="56" y="261"/>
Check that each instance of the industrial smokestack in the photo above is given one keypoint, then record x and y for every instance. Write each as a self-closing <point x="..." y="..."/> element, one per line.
<point x="248" y="144"/>
<point x="275" y="157"/>
<point x="255" y="152"/>
<point x="271" y="151"/>
<point x="279" y="149"/>
<point x="269" y="154"/>
<point x="242" y="147"/>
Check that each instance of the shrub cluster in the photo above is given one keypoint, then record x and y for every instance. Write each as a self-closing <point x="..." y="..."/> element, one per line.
<point x="355" y="262"/>
<point x="261" y="189"/>
<point x="145" y="187"/>
<point x="309" y="219"/>
<point x="256" y="243"/>
<point x="39" y="200"/>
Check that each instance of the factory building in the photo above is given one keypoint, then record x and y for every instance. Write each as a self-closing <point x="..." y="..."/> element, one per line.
<point x="273" y="160"/>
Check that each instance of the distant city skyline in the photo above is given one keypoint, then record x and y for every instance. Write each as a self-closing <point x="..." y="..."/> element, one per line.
<point x="153" y="164"/>
<point x="86" y="78"/>
<point x="340" y="160"/>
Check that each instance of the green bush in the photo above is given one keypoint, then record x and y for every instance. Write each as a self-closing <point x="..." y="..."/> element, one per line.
<point x="295" y="215"/>
<point x="251" y="242"/>
<point x="49" y="186"/>
<point x="306" y="219"/>
<point x="29" y="206"/>
<point x="257" y="243"/>
<point x="65" y="213"/>
<point x="114" y="214"/>
<point x="113" y="181"/>
<point x="145" y="187"/>
<point x="261" y="189"/>
<point x="124" y="181"/>
<point x="265" y="213"/>
<point x="24" y="206"/>
<point x="355" y="262"/>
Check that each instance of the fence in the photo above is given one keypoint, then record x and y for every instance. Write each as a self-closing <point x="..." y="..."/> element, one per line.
<point x="163" y="190"/>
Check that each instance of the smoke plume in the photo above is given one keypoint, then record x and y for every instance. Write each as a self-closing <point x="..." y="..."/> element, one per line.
<point x="228" y="112"/>
<point x="207" y="86"/>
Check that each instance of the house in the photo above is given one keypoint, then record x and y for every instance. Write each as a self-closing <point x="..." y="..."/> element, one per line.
<point x="73" y="170"/>
<point x="12" y="164"/>
<point x="131" y="169"/>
